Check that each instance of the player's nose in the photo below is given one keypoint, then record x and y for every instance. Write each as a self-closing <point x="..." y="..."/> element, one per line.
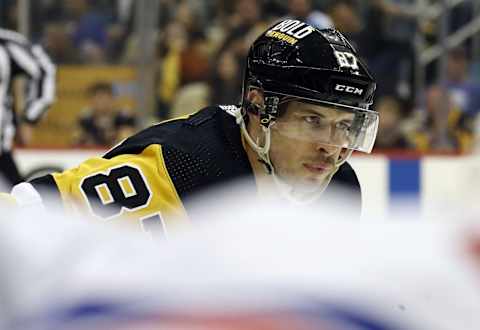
<point x="327" y="150"/>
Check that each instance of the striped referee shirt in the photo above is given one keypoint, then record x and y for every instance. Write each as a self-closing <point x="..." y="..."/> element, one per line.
<point x="18" y="57"/>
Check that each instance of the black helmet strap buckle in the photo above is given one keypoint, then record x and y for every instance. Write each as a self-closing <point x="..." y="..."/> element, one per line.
<point x="269" y="112"/>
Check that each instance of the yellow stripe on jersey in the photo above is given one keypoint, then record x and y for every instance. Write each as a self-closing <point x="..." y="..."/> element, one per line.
<point x="130" y="186"/>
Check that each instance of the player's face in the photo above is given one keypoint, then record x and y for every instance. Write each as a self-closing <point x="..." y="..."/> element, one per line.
<point x="103" y="102"/>
<point x="307" y="143"/>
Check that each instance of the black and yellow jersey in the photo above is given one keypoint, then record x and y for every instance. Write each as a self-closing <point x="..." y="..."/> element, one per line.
<point x="149" y="177"/>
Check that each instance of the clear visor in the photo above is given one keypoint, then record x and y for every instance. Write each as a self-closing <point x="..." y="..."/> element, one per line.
<point x="350" y="128"/>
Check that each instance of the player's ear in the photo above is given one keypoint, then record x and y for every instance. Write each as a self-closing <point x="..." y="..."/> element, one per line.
<point x="254" y="101"/>
<point x="255" y="96"/>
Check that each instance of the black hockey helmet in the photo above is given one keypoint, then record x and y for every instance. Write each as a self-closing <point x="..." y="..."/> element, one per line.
<point x="293" y="59"/>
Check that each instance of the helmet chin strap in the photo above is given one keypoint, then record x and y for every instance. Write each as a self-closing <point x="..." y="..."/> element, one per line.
<point x="263" y="152"/>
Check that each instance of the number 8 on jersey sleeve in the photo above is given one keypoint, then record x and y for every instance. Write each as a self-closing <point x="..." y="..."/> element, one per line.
<point x="121" y="188"/>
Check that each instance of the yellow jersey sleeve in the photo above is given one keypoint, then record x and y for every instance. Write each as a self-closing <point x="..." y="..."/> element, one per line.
<point x="7" y="201"/>
<point x="132" y="187"/>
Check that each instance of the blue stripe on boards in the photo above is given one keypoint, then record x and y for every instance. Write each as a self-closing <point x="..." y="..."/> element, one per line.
<point x="404" y="186"/>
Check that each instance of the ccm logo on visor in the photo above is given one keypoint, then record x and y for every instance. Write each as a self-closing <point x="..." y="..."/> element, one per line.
<point x="349" y="89"/>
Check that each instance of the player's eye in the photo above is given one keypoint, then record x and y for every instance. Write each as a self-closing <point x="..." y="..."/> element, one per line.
<point x="314" y="120"/>
<point x="344" y="125"/>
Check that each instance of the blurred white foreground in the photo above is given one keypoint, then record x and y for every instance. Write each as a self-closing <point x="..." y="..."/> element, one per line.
<point x="243" y="266"/>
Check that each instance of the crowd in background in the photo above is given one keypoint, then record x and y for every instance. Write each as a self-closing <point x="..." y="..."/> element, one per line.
<point x="202" y="44"/>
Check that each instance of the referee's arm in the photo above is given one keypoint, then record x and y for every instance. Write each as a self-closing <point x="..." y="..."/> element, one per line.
<point x="35" y="63"/>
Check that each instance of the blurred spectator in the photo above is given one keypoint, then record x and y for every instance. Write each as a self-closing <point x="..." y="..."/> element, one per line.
<point x="302" y="10"/>
<point x="183" y="55"/>
<point x="189" y="14"/>
<point x="465" y="93"/>
<point x="59" y="45"/>
<point x="446" y="127"/>
<point x="194" y="59"/>
<point x="452" y="107"/>
<point x="119" y="29"/>
<point x="45" y="13"/>
<point x="246" y="24"/>
<point x="102" y="123"/>
<point x="386" y="42"/>
<point x="345" y="16"/>
<point x="236" y="43"/>
<point x="89" y="30"/>
<point x="391" y="131"/>
<point x="246" y="14"/>
<point x="192" y="96"/>
<point x="97" y="29"/>
<point x="225" y="84"/>
<point x="172" y="43"/>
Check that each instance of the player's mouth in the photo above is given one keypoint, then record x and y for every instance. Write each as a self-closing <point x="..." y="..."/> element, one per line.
<point x="318" y="168"/>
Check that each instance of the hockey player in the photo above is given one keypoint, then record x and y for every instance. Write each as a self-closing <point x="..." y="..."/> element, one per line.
<point x="304" y="110"/>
